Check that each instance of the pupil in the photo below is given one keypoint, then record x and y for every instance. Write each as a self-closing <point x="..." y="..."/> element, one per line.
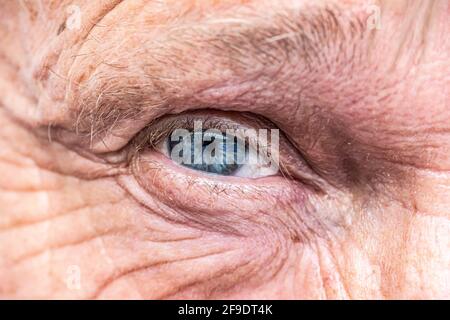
<point x="217" y="167"/>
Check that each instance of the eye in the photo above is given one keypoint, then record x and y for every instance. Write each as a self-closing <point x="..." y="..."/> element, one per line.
<point x="224" y="153"/>
<point x="211" y="145"/>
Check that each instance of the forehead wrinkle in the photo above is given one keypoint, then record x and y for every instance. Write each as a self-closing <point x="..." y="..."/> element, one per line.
<point x="416" y="22"/>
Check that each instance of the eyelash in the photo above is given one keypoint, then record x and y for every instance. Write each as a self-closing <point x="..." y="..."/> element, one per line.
<point x="154" y="133"/>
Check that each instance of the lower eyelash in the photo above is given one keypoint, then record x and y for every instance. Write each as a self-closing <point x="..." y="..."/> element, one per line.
<point x="159" y="129"/>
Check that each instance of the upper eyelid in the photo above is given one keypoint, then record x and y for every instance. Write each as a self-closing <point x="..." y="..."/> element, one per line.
<point x="161" y="128"/>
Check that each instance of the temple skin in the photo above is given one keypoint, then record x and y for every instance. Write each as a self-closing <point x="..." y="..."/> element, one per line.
<point x="364" y="97"/>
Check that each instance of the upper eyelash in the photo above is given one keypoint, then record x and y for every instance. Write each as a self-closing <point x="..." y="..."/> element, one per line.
<point x="154" y="133"/>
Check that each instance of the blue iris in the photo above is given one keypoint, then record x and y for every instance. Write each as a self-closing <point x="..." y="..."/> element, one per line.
<point x="221" y="167"/>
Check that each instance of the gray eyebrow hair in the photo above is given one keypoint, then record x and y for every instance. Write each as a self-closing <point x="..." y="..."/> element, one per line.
<point x="169" y="67"/>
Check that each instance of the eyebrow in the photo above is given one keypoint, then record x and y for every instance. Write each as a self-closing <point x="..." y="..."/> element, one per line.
<point x="186" y="58"/>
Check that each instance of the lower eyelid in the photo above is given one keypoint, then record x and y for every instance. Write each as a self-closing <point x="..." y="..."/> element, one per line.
<point x="162" y="162"/>
<point x="189" y="196"/>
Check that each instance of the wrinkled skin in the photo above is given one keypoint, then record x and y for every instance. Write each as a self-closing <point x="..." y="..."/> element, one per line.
<point x="368" y="218"/>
